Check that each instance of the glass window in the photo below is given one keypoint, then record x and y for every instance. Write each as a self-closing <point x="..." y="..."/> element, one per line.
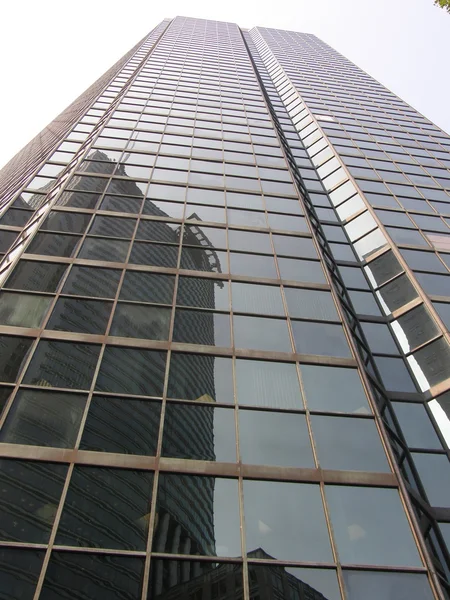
<point x="334" y="389"/>
<point x="131" y="371"/>
<point x="416" y="425"/>
<point x="294" y="583"/>
<point x="29" y="499"/>
<point x="80" y="315"/>
<point x="249" y="241"/>
<point x="310" y="304"/>
<point x="19" y="571"/>
<point x="259" y="299"/>
<point x="106" y="508"/>
<point x="72" y="222"/>
<point x="370" y="526"/>
<point x="103" y="249"/>
<point x="157" y="231"/>
<point x="214" y="428"/>
<point x="252" y="265"/>
<point x="394" y="374"/>
<point x="62" y="364"/>
<point x="35" y="276"/>
<point x="373" y="585"/>
<point x="268" y="384"/>
<point x="23" y="310"/>
<point x="121" y="204"/>
<point x="379" y="338"/>
<point x="158" y="255"/>
<point x="291" y="246"/>
<point x="433" y="471"/>
<point x="121" y="425"/>
<point x="141" y="321"/>
<point x="53" y="244"/>
<point x="200" y="377"/>
<point x="90" y="281"/>
<point x="274" y="438"/>
<point x="348" y="444"/>
<point x="309" y="271"/>
<point x="197" y="515"/>
<point x="286" y="521"/>
<point x="147" y="287"/>
<point x="43" y="418"/>
<point x="203" y="293"/>
<point x="89" y="575"/>
<point x="258" y="333"/>
<point x="201" y="327"/>
<point x="189" y="579"/>
<point x="323" y="339"/>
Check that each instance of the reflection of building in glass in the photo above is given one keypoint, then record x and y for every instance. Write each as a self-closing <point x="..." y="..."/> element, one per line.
<point x="180" y="580"/>
<point x="226" y="259"/>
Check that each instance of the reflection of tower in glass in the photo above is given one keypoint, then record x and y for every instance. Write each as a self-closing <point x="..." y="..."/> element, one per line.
<point x="204" y="580"/>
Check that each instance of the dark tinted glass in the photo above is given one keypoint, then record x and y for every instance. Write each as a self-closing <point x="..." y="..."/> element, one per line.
<point x="22" y="310"/>
<point x="36" y="276"/>
<point x="310" y="304"/>
<point x="147" y="287"/>
<point x="90" y="281"/>
<point x="157" y="255"/>
<point x="333" y="389"/>
<point x="113" y="227"/>
<point x="62" y="364"/>
<point x="200" y="377"/>
<point x="82" y="316"/>
<point x="53" y="244"/>
<point x="19" y="572"/>
<point x="106" y="508"/>
<point x="203" y="293"/>
<point x="197" y="515"/>
<point x="90" y="576"/>
<point x="44" y="419"/>
<point x="131" y="371"/>
<point x="121" y="425"/>
<point x="13" y="351"/>
<point x="189" y="579"/>
<point x="200" y="327"/>
<point x="394" y="374"/>
<point x="301" y="270"/>
<point x="215" y="432"/>
<point x="29" y="499"/>
<point x="432" y="469"/>
<point x="106" y="250"/>
<point x="379" y="338"/>
<point x="416" y="425"/>
<point x="141" y="321"/>
<point x="252" y="265"/>
<point x="71" y="222"/>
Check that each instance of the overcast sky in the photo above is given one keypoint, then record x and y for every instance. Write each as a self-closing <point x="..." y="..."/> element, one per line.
<point x="53" y="50"/>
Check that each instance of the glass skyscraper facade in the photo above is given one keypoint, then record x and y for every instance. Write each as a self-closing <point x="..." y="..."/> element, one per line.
<point x="224" y="314"/>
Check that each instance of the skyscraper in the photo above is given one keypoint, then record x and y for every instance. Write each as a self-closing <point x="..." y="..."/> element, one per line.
<point x="225" y="366"/>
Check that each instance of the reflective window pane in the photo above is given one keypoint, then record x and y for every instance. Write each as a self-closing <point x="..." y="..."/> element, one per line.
<point x="90" y="576"/>
<point x="292" y="583"/>
<point x="273" y="438"/>
<point x="121" y="425"/>
<point x="19" y="572"/>
<point x="35" y="276"/>
<point x="44" y="419"/>
<point x="324" y="339"/>
<point x="268" y="384"/>
<point x="373" y="585"/>
<point x="131" y="371"/>
<point x="82" y="316"/>
<point x="215" y="432"/>
<point x="106" y="508"/>
<point x="200" y="377"/>
<point x="286" y="520"/>
<point x="23" y="310"/>
<point x="348" y="444"/>
<point x="201" y="327"/>
<point x="141" y="321"/>
<point x="258" y="333"/>
<point x="29" y="499"/>
<point x="203" y="293"/>
<point x="90" y="281"/>
<point x="197" y="515"/>
<point x="13" y="352"/>
<point x="370" y="526"/>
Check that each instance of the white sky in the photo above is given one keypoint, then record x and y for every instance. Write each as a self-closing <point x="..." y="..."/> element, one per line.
<point x="53" y="50"/>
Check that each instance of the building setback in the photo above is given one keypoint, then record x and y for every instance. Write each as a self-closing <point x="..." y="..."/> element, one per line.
<point x="224" y="345"/>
